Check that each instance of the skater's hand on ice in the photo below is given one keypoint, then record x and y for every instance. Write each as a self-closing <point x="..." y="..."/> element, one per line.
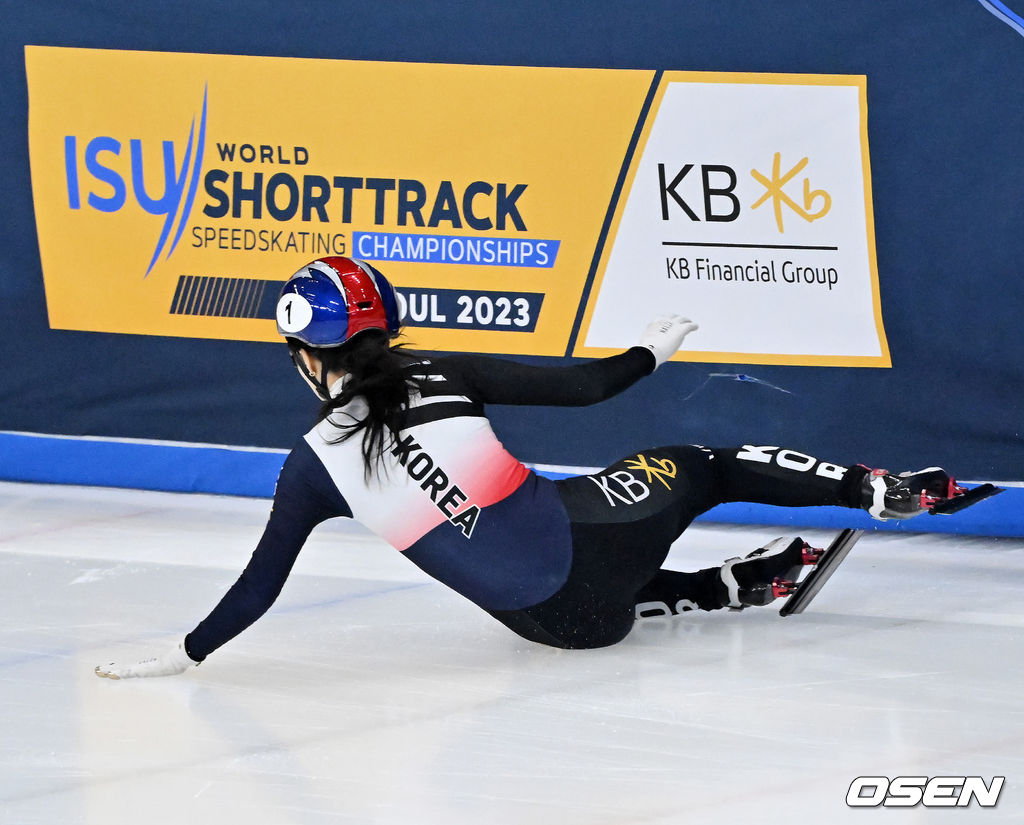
<point x="664" y="336"/>
<point x="171" y="663"/>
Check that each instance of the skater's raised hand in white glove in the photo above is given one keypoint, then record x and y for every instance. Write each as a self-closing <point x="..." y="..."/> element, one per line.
<point x="173" y="662"/>
<point x="664" y="336"/>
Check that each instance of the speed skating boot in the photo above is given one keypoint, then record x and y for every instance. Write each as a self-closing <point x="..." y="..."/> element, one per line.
<point x="766" y="574"/>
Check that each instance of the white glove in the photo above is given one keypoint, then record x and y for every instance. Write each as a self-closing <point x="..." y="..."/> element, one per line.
<point x="664" y="336"/>
<point x="173" y="662"/>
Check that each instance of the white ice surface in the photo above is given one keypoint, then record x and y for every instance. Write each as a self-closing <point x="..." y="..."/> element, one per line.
<point x="370" y="694"/>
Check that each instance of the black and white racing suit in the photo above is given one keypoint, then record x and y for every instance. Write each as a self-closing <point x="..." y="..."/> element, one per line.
<point x="559" y="562"/>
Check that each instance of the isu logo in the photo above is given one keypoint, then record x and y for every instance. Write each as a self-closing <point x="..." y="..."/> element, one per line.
<point x="108" y="168"/>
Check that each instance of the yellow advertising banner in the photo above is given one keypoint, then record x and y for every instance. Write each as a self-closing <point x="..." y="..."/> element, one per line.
<point x="174" y="193"/>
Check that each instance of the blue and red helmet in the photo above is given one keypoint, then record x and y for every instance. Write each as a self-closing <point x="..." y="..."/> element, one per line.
<point x="330" y="300"/>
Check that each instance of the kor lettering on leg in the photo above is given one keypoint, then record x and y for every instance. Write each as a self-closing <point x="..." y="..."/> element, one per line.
<point x="627" y="489"/>
<point x="652" y="610"/>
<point x="791" y="460"/>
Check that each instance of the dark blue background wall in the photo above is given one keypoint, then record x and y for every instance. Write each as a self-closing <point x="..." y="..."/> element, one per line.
<point x="946" y="115"/>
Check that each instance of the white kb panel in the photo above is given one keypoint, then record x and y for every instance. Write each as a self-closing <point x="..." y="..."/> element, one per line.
<point x="748" y="212"/>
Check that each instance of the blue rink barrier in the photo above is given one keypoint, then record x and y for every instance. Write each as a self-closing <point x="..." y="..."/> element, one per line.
<point x="143" y="465"/>
<point x="252" y="472"/>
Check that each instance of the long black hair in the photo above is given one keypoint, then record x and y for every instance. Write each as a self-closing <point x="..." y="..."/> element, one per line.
<point x="379" y="372"/>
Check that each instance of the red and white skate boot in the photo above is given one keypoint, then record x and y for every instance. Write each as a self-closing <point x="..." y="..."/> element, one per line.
<point x="888" y="496"/>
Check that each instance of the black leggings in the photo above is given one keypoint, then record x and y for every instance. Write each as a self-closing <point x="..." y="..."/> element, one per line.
<point x="625" y="518"/>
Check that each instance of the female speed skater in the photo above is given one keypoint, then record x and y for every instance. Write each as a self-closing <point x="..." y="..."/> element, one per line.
<point x="403" y="445"/>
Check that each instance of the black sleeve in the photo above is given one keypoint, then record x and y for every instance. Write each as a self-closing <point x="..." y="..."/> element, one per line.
<point x="305" y="496"/>
<point x="498" y="381"/>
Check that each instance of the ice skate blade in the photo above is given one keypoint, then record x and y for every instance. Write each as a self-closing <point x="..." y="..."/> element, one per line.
<point x="958" y="503"/>
<point x="823" y="570"/>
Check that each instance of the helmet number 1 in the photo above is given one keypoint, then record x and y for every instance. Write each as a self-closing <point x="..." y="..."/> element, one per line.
<point x="293" y="313"/>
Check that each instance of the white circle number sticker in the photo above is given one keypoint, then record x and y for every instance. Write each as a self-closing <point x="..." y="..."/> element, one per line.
<point x="293" y="313"/>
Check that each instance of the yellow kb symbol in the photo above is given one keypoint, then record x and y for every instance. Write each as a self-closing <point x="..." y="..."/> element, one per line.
<point x="773" y="190"/>
<point x="664" y="469"/>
